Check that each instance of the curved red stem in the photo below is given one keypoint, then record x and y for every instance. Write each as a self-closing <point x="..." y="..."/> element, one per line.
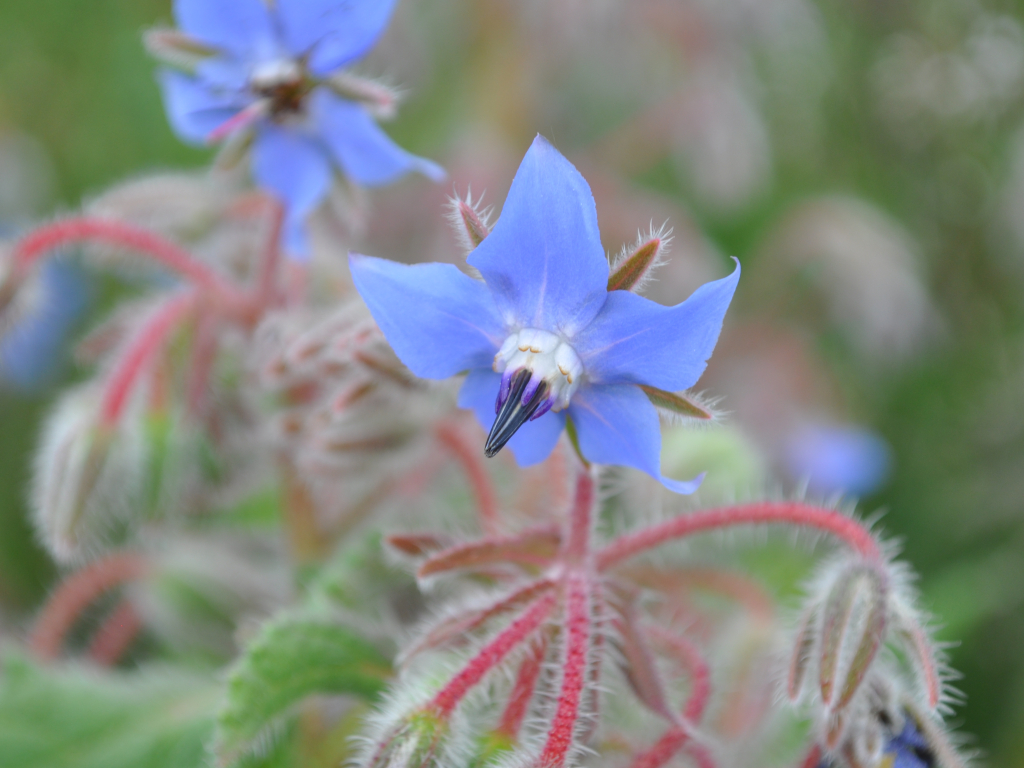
<point x="140" y="351"/>
<point x="491" y="655"/>
<point x="794" y="513"/>
<point x="38" y="243"/>
<point x="115" y="634"/>
<point x="74" y="595"/>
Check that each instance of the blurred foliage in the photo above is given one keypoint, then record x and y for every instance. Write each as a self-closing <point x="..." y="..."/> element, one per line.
<point x="77" y="717"/>
<point x="74" y="76"/>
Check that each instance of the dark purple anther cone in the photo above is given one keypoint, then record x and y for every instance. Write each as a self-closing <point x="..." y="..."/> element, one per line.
<point x="518" y="405"/>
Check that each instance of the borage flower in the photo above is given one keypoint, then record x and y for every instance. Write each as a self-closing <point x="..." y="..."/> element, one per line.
<point x="541" y="335"/>
<point x="269" y="72"/>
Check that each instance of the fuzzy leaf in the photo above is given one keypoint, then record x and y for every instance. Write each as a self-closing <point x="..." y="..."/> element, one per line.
<point x="70" y="717"/>
<point x="289" y="660"/>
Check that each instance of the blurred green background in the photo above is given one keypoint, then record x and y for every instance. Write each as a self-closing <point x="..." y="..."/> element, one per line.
<point x="733" y="117"/>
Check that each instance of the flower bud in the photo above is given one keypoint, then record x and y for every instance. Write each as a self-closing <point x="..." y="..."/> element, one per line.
<point x="635" y="265"/>
<point x="469" y="221"/>
<point x="87" y="476"/>
<point x="852" y="630"/>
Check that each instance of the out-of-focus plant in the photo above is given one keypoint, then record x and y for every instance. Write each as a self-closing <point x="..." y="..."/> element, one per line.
<point x="271" y="510"/>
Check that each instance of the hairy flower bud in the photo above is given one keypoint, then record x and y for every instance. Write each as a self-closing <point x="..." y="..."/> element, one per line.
<point x="87" y="476"/>
<point x="635" y="265"/>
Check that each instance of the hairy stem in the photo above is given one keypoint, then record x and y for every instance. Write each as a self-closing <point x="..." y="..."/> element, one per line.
<point x="139" y="353"/>
<point x="115" y="233"/>
<point x="577" y="542"/>
<point x="491" y="655"/>
<point x="574" y="670"/>
<point x="115" y="634"/>
<point x="522" y="692"/>
<point x="465" y="624"/>
<point x="793" y="513"/>
<point x="692" y="660"/>
<point x="75" y="594"/>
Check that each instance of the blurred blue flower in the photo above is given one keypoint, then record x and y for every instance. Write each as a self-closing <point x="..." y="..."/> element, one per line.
<point x="541" y="335"/>
<point x="909" y="748"/>
<point x="267" y="70"/>
<point x="30" y="352"/>
<point x="833" y="458"/>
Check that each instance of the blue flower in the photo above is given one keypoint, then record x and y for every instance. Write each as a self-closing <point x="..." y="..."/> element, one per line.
<point x="541" y="336"/>
<point x="267" y="67"/>
<point x="30" y="352"/>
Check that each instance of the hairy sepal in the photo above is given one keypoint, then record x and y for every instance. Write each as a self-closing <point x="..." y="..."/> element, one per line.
<point x="535" y="547"/>
<point x="634" y="266"/>
<point x="380" y="100"/>
<point x="684" y="407"/>
<point x="853" y="617"/>
<point x="470" y="222"/>
<point x="176" y="49"/>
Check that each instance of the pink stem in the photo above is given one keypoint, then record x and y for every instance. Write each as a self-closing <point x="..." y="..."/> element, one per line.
<point x="239" y="120"/>
<point x="577" y="542"/>
<point x="479" y="480"/>
<point x="74" y="594"/>
<point x="37" y="244"/>
<point x="574" y="674"/>
<point x="464" y="625"/>
<point x="140" y="351"/>
<point x="522" y="692"/>
<point x="663" y="751"/>
<point x="689" y="657"/>
<point x="678" y="735"/>
<point x="813" y="758"/>
<point x="116" y="634"/>
<point x="794" y="513"/>
<point x="491" y="655"/>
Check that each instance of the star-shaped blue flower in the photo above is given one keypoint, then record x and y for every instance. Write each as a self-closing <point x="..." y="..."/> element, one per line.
<point x="265" y="70"/>
<point x="541" y="336"/>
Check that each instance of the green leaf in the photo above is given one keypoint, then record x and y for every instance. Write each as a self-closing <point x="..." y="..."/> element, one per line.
<point x="289" y="660"/>
<point x="72" y="717"/>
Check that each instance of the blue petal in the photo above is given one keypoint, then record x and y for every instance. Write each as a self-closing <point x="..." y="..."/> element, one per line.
<point x="193" y="108"/>
<point x="634" y="340"/>
<point x="438" y="320"/>
<point x="544" y="261"/>
<point x="33" y="349"/>
<point x="297" y="170"/>
<point x="367" y="155"/>
<point x="535" y="439"/>
<point x="616" y="424"/>
<point x="338" y="32"/>
<point x="242" y="27"/>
